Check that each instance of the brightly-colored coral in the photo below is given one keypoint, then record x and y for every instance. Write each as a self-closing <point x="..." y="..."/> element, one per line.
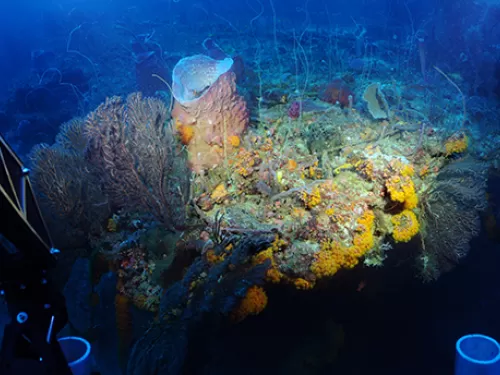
<point x="456" y="144"/>
<point x="254" y="302"/>
<point x="402" y="189"/>
<point x="186" y="132"/>
<point x="303" y="284"/>
<point x="313" y="198"/>
<point x="219" y="194"/>
<point x="406" y="226"/>
<point x="327" y="263"/>
<point x="364" y="240"/>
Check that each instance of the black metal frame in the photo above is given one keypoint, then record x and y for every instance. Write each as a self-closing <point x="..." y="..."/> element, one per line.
<point x="37" y="309"/>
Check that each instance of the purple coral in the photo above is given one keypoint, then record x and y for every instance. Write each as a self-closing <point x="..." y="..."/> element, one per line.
<point x="294" y="110"/>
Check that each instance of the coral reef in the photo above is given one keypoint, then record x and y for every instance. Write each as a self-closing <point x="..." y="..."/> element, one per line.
<point x="200" y="211"/>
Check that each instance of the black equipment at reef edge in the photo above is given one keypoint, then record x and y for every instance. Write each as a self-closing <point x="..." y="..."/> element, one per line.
<point x="37" y="309"/>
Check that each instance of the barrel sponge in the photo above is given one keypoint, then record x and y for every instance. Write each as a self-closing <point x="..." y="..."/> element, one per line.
<point x="206" y="99"/>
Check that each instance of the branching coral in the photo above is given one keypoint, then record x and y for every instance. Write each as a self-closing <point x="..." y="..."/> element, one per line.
<point x="133" y="147"/>
<point x="452" y="207"/>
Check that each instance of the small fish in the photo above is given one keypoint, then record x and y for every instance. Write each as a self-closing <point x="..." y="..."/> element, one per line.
<point x="361" y="286"/>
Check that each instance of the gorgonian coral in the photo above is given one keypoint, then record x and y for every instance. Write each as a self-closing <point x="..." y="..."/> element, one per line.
<point x="132" y="146"/>
<point x="452" y="207"/>
<point x="67" y="184"/>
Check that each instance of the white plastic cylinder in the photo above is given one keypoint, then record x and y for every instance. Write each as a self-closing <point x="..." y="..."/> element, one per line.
<point x="77" y="353"/>
<point x="477" y="355"/>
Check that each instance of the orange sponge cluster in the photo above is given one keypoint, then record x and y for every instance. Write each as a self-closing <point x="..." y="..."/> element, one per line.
<point x="254" y="302"/>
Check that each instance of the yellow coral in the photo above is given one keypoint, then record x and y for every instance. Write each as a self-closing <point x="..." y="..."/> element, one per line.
<point x="402" y="189"/>
<point x="364" y="240"/>
<point x="219" y="194"/>
<point x="112" y="225"/>
<point x="303" y="284"/>
<point x="456" y="144"/>
<point x="326" y="264"/>
<point x="234" y="140"/>
<point x="407" y="170"/>
<point x="313" y="198"/>
<point x="406" y="226"/>
<point x="278" y="243"/>
<point x="254" y="302"/>
<point x="330" y="211"/>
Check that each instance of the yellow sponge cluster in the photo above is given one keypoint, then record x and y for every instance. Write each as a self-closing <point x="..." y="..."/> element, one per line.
<point x="406" y="226"/>
<point x="333" y="256"/>
<point x="401" y="189"/>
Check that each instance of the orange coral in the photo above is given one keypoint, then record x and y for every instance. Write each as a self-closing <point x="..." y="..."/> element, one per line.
<point x="254" y="302"/>
<point x="186" y="132"/>
<point x="327" y="263"/>
<point x="212" y="258"/>
<point x="292" y="165"/>
<point x="273" y="274"/>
